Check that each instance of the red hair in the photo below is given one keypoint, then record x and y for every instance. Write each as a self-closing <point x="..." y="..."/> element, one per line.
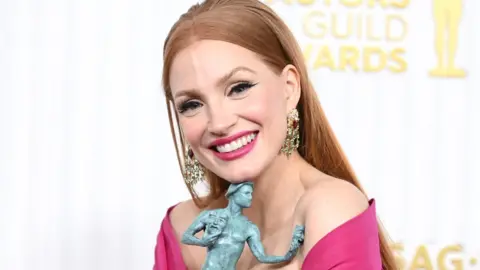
<point x="255" y="26"/>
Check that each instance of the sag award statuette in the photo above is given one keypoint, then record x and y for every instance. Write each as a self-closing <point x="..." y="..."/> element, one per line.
<point x="226" y="230"/>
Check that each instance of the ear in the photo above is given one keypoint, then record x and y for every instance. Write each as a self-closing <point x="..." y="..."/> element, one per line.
<point x="291" y="78"/>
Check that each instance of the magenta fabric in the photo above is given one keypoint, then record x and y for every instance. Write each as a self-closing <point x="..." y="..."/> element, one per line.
<point x="167" y="251"/>
<point x="353" y="245"/>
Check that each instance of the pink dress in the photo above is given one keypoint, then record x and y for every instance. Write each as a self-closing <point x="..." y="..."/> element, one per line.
<point x="353" y="245"/>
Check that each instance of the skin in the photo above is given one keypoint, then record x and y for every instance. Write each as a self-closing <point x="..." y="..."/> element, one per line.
<point x="288" y="191"/>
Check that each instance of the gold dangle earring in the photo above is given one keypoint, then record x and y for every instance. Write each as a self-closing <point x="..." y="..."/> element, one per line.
<point x="292" y="139"/>
<point x="193" y="170"/>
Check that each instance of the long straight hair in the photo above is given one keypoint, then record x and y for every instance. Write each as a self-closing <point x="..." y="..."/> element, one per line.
<point x="255" y="26"/>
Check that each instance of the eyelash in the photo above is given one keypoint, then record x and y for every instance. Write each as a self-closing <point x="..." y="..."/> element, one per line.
<point x="236" y="89"/>
<point x="188" y="105"/>
<point x="241" y="86"/>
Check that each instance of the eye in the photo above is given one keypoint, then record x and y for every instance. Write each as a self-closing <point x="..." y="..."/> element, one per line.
<point x="188" y="106"/>
<point x="240" y="88"/>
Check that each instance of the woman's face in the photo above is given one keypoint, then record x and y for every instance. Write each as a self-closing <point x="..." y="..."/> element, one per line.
<point x="232" y="107"/>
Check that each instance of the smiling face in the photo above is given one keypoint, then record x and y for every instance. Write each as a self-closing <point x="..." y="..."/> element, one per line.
<point x="231" y="107"/>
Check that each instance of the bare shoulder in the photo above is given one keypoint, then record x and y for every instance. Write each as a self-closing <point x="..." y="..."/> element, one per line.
<point x="332" y="194"/>
<point x="182" y="216"/>
<point x="326" y="205"/>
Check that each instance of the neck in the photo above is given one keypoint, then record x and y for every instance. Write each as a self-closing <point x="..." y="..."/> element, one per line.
<point x="234" y="209"/>
<point x="276" y="192"/>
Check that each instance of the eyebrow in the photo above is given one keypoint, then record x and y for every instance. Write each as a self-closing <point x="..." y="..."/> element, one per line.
<point x="223" y="80"/>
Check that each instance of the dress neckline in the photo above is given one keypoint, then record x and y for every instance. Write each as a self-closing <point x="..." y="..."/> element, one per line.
<point x="361" y="220"/>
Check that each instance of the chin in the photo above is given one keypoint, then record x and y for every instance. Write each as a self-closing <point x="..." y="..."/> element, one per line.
<point x="239" y="177"/>
<point x="246" y="170"/>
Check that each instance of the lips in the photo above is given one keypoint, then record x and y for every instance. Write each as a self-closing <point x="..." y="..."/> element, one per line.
<point x="229" y="139"/>
<point x="235" y="146"/>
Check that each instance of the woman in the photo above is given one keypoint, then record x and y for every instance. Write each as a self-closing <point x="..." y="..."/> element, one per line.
<point x="237" y="85"/>
<point x="227" y="231"/>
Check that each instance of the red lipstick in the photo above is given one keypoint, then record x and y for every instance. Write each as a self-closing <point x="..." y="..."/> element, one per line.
<point x="230" y="139"/>
<point x="235" y="154"/>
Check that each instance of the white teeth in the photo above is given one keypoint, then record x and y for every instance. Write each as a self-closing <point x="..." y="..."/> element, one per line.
<point x="235" y="145"/>
<point x="244" y="141"/>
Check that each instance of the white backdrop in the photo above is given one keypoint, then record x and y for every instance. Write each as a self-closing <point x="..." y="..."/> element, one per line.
<point x="87" y="167"/>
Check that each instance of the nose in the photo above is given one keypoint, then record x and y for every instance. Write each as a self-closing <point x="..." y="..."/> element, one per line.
<point x="221" y="121"/>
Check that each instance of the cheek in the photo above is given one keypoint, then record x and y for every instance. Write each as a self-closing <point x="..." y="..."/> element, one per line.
<point x="265" y="107"/>
<point x="269" y="112"/>
<point x="192" y="128"/>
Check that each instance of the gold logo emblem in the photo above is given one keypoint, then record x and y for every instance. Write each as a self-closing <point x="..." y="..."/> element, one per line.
<point x="447" y="17"/>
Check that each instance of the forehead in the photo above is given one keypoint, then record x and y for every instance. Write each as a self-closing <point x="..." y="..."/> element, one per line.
<point x="204" y="62"/>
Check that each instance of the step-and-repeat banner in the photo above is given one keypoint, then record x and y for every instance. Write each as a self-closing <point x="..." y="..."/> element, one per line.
<point x="399" y="82"/>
